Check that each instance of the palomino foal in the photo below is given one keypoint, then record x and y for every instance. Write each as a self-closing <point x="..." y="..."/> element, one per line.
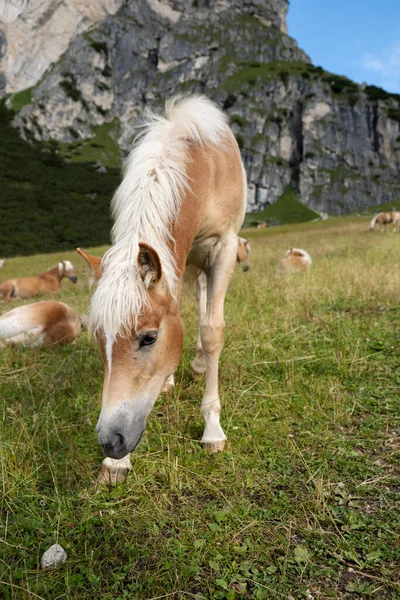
<point x="296" y="259"/>
<point x="47" y="282"/>
<point x="39" y="325"/>
<point x="384" y="218"/>
<point x="182" y="200"/>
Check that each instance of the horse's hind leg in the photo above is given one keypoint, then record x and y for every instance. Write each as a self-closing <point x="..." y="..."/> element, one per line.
<point x="212" y="327"/>
<point x="114" y="470"/>
<point x="7" y="291"/>
<point x="199" y="362"/>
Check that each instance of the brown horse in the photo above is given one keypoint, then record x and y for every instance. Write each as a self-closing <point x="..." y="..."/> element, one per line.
<point x="243" y="253"/>
<point x="296" y="259"/>
<point x="27" y="287"/>
<point x="40" y="324"/>
<point x="182" y="200"/>
<point x="384" y="218"/>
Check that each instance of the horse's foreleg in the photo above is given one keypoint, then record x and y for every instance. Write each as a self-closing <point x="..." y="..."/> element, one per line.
<point x="114" y="470"/>
<point x="199" y="363"/>
<point x="212" y="338"/>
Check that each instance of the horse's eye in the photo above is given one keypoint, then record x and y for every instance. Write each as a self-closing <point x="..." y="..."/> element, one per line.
<point x="148" y="339"/>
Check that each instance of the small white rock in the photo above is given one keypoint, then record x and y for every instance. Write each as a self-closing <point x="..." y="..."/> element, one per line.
<point x="53" y="557"/>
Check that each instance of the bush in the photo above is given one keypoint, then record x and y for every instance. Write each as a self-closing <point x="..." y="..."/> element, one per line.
<point x="48" y="204"/>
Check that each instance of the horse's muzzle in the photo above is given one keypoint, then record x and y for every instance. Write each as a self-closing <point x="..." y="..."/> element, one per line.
<point x="73" y="278"/>
<point x="117" y="446"/>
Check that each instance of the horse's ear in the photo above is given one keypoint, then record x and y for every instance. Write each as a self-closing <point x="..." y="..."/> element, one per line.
<point x="93" y="261"/>
<point x="149" y="265"/>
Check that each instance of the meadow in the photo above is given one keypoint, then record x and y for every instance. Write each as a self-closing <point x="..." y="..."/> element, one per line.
<point x="304" y="504"/>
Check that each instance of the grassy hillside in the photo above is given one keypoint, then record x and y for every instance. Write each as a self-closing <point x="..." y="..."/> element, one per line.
<point x="50" y="204"/>
<point x="287" y="209"/>
<point x="304" y="503"/>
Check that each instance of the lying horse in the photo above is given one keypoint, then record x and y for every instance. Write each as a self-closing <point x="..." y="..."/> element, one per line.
<point x="296" y="259"/>
<point x="243" y="252"/>
<point x="27" y="287"/>
<point x="384" y="218"/>
<point x="40" y="324"/>
<point x="182" y="200"/>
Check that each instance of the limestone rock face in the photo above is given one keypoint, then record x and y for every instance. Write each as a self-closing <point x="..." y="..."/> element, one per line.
<point x="35" y="33"/>
<point x="336" y="143"/>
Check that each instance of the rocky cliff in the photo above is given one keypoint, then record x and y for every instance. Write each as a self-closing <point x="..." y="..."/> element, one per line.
<point x="335" y="143"/>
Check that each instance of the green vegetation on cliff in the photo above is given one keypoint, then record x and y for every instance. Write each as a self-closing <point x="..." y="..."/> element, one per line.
<point x="47" y="203"/>
<point x="287" y="209"/>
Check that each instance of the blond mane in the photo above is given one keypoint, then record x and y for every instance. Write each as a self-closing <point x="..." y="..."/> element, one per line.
<point x="147" y="203"/>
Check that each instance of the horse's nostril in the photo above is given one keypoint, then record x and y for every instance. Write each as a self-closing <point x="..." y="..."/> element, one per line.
<point x="119" y="441"/>
<point x="115" y="448"/>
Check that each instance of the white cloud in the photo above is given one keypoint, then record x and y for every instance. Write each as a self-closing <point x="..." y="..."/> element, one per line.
<point x="385" y="65"/>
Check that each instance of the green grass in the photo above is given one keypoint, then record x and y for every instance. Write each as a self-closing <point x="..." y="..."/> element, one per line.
<point x="101" y="147"/>
<point x="287" y="209"/>
<point x="304" y="502"/>
<point x="20" y="99"/>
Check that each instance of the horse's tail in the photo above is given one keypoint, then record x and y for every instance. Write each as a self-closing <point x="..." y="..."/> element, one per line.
<point x="373" y="222"/>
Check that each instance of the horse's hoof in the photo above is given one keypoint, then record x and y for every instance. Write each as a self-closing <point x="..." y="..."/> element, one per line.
<point x="196" y="376"/>
<point x="112" y="476"/>
<point x="167" y="387"/>
<point x="214" y="447"/>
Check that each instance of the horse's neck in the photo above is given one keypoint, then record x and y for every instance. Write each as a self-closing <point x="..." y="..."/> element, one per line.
<point x="52" y="274"/>
<point x="183" y="232"/>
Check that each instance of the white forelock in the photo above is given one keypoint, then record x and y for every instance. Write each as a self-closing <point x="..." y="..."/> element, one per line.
<point x="148" y="201"/>
<point x="68" y="266"/>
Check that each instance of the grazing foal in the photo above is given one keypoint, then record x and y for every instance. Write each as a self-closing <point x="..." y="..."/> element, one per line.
<point x="40" y="324"/>
<point x="296" y="259"/>
<point x="27" y="287"/>
<point x="243" y="253"/>
<point x="182" y="200"/>
<point x="384" y="218"/>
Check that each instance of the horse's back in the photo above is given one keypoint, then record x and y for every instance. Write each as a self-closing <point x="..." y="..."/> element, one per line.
<point x="217" y="182"/>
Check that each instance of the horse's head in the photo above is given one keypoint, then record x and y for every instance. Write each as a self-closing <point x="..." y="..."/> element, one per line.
<point x="243" y="252"/>
<point x="66" y="269"/>
<point x="138" y="358"/>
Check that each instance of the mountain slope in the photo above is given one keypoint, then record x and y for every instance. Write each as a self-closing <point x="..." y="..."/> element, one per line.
<point x="335" y="143"/>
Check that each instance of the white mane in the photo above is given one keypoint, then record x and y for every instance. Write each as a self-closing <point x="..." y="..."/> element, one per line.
<point x="148" y="201"/>
<point x="373" y="222"/>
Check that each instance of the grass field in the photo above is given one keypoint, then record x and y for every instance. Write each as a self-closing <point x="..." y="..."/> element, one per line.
<point x="304" y="504"/>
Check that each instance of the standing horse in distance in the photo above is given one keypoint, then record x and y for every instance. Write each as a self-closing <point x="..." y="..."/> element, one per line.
<point x="39" y="325"/>
<point x="384" y="218"/>
<point x="296" y="259"/>
<point x="27" y="287"/>
<point x="243" y="253"/>
<point x="182" y="200"/>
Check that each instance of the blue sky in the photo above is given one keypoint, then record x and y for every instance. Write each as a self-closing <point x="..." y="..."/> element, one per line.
<point x="356" y="38"/>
